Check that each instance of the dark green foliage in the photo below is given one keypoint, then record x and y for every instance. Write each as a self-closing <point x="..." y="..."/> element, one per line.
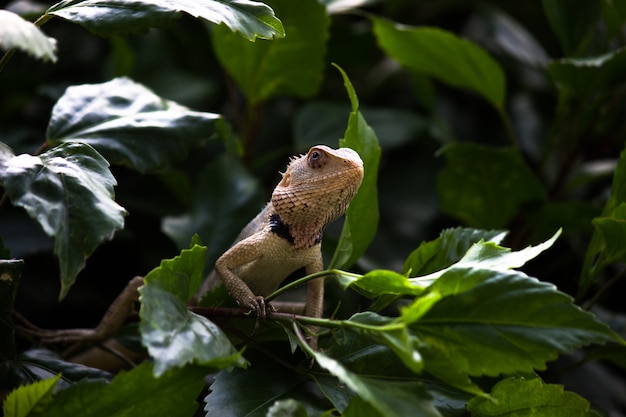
<point x="485" y="246"/>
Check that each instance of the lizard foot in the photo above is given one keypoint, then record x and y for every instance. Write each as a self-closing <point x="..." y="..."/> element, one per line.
<point x="260" y="308"/>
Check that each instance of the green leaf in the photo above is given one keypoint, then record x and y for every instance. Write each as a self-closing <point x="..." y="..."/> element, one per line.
<point x="486" y="187"/>
<point x="447" y="249"/>
<point x="490" y="322"/>
<point x="389" y="398"/>
<point x="113" y="17"/>
<point x="253" y="391"/>
<point x="173" y="335"/>
<point x="69" y="191"/>
<point x="362" y="215"/>
<point x="444" y="56"/>
<point x="10" y="272"/>
<point x="378" y="282"/>
<point x="574" y="26"/>
<point x="129" y="124"/>
<point x="587" y="76"/>
<point x="16" y="32"/>
<point x="287" y="408"/>
<point x="291" y="66"/>
<point x="606" y="244"/>
<point x="529" y="398"/>
<point x="132" y="393"/>
<point x="227" y="195"/>
<point x="31" y="398"/>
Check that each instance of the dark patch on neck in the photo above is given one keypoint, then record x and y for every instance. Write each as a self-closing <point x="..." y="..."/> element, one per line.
<point x="280" y="229"/>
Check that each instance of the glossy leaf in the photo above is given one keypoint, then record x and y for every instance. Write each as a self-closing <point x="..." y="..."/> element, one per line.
<point x="129" y="124"/>
<point x="490" y="322"/>
<point x="291" y="66"/>
<point x="227" y="196"/>
<point x="129" y="393"/>
<point x="529" y="398"/>
<point x="444" y="56"/>
<point x="28" y="399"/>
<point x="173" y="335"/>
<point x="250" y="392"/>
<point x="447" y="249"/>
<point x="574" y="26"/>
<point x="16" y="32"/>
<point x="251" y="19"/>
<point x="362" y="215"/>
<point x="69" y="191"/>
<point x="390" y="398"/>
<point x="485" y="187"/>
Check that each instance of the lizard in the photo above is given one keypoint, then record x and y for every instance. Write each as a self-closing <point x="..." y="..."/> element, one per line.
<point x="315" y="189"/>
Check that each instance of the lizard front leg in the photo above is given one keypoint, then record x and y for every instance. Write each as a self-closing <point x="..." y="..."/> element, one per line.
<point x="242" y="253"/>
<point x="314" y="298"/>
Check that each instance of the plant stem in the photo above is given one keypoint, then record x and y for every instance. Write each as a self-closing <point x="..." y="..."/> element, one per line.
<point x="621" y="274"/>
<point x="303" y="280"/>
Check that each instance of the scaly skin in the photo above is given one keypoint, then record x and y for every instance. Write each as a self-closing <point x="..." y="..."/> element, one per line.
<point x="315" y="189"/>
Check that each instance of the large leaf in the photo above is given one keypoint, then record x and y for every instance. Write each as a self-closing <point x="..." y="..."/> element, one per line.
<point x="574" y="26"/>
<point x="252" y="391"/>
<point x="132" y="393"/>
<point x="69" y="191"/>
<point x="129" y="124"/>
<point x="362" y="215"/>
<point x="490" y="322"/>
<point x="111" y="17"/>
<point x="532" y="398"/>
<point x="290" y="66"/>
<point x="389" y="398"/>
<point x="16" y="32"/>
<point x="173" y="335"/>
<point x="444" y="56"/>
<point x="485" y="187"/>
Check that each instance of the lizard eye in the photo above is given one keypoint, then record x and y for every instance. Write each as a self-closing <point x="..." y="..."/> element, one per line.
<point x="317" y="158"/>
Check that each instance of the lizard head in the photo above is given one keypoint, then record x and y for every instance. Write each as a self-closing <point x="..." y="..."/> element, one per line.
<point x="316" y="189"/>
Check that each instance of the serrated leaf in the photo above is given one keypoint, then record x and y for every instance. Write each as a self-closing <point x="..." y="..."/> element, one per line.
<point x="529" y="398"/>
<point x="31" y="398"/>
<point x="447" y="249"/>
<point x="362" y="216"/>
<point x="129" y="124"/>
<point x="485" y="187"/>
<point x="114" y="17"/>
<point x="69" y="191"/>
<point x="16" y="32"/>
<point x="251" y="392"/>
<point x="378" y="282"/>
<point x="226" y="196"/>
<point x="291" y="66"/>
<point x="390" y="398"/>
<point x="490" y="322"/>
<point x="131" y="393"/>
<point x="444" y="56"/>
<point x="173" y="335"/>
<point x="10" y="272"/>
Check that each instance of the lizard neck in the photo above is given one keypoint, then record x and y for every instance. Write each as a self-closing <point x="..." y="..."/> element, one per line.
<point x="299" y="235"/>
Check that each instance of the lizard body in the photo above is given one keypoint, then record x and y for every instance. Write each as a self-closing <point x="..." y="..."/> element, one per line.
<point x="285" y="236"/>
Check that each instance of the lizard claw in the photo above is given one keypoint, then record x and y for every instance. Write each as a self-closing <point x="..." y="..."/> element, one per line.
<point x="260" y="308"/>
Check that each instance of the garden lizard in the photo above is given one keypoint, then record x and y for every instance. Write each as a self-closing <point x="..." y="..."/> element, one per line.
<point x="285" y="236"/>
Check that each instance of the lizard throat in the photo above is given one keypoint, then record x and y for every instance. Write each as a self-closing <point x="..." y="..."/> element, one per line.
<point x="282" y="230"/>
